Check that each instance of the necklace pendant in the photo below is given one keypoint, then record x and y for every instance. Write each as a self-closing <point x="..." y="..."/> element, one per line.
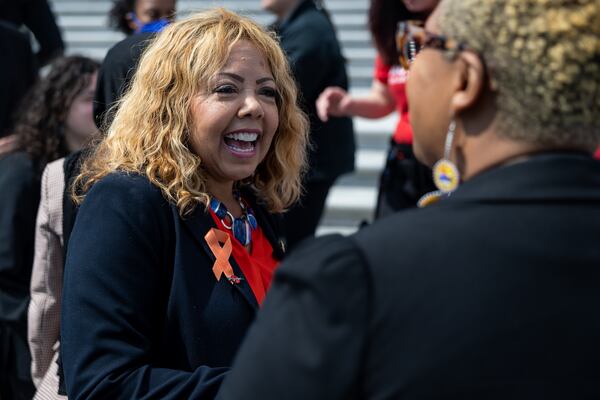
<point x="252" y="221"/>
<point x="239" y="231"/>
<point x="241" y="227"/>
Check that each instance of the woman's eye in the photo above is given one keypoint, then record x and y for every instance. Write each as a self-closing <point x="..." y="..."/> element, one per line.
<point x="269" y="92"/>
<point x="225" y="89"/>
<point x="153" y="15"/>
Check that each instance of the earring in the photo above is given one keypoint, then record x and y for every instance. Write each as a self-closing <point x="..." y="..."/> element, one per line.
<point x="445" y="173"/>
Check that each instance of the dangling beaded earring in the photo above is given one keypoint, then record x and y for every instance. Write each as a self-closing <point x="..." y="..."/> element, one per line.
<point x="445" y="173"/>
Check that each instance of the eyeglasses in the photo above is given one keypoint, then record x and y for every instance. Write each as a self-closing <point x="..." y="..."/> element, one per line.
<point x="412" y="37"/>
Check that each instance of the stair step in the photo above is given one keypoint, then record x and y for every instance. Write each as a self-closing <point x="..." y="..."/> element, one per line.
<point x="352" y="199"/>
<point x="65" y="7"/>
<point x="330" y="229"/>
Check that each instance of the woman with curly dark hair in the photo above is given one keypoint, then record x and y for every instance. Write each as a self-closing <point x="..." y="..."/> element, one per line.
<point x="404" y="179"/>
<point x="55" y="119"/>
<point x="135" y="16"/>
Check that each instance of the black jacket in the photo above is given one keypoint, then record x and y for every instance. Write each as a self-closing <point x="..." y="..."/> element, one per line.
<point x="489" y="294"/>
<point x="309" y="40"/>
<point x="142" y="313"/>
<point x="115" y="73"/>
<point x="17" y="73"/>
<point x="37" y="16"/>
<point x="19" y="200"/>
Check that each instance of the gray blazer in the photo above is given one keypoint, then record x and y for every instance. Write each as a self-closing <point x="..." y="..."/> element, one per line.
<point x="46" y="284"/>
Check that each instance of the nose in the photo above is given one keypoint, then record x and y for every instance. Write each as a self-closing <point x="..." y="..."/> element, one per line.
<point x="251" y="107"/>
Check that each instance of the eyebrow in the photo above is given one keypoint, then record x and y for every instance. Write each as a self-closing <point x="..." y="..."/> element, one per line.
<point x="241" y="80"/>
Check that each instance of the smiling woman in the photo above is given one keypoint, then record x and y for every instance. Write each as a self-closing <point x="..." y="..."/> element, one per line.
<point x="235" y="120"/>
<point x="178" y="233"/>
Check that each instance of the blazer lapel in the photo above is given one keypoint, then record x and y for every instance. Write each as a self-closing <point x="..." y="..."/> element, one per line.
<point x="198" y="224"/>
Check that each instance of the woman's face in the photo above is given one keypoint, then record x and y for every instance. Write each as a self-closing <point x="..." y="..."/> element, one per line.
<point x="419" y="6"/>
<point x="233" y="124"/>
<point x="79" y="124"/>
<point x="429" y="90"/>
<point x="152" y="10"/>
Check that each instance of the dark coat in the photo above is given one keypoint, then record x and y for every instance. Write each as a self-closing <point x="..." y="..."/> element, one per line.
<point x="19" y="199"/>
<point x="492" y="293"/>
<point x="37" y="16"/>
<point x="116" y="71"/>
<point x="17" y="73"/>
<point x="143" y="315"/>
<point x="309" y="40"/>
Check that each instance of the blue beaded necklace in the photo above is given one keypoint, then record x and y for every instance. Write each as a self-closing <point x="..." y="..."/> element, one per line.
<point x="241" y="227"/>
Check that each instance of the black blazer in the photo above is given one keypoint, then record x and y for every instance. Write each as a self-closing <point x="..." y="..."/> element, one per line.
<point x="142" y="314"/>
<point x="309" y="40"/>
<point x="491" y="294"/>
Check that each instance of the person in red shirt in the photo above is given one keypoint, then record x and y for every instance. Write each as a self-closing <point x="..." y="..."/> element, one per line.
<point x="404" y="179"/>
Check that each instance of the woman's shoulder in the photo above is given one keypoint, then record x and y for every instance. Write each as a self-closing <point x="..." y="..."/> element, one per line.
<point x="123" y="179"/>
<point x="121" y="196"/>
<point x="18" y="160"/>
<point x="311" y="23"/>
<point x="16" y="166"/>
<point x="132" y="188"/>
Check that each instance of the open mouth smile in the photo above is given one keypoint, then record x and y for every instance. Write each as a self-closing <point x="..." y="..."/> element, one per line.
<point x="241" y="143"/>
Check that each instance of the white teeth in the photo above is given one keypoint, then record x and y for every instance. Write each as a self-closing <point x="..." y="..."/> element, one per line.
<point x="243" y="136"/>
<point x="248" y="150"/>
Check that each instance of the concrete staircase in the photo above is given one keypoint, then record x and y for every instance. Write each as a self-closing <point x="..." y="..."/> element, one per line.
<point x="352" y="200"/>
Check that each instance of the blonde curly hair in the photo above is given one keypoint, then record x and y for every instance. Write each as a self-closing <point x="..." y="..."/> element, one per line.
<point x="150" y="132"/>
<point x="544" y="61"/>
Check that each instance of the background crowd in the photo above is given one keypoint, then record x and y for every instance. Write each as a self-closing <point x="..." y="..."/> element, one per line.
<point x="147" y="202"/>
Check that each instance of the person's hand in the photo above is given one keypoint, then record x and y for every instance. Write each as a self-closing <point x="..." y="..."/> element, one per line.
<point x="333" y="101"/>
<point x="8" y="144"/>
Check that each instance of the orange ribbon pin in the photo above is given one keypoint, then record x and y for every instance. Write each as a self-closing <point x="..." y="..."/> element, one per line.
<point x="214" y="238"/>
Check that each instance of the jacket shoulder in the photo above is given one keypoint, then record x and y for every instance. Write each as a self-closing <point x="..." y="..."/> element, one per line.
<point x="331" y="257"/>
<point x="129" y="49"/>
<point x="311" y="25"/>
<point x="129" y="182"/>
<point x="128" y="191"/>
<point x="54" y="174"/>
<point x="16" y="169"/>
<point x="392" y="235"/>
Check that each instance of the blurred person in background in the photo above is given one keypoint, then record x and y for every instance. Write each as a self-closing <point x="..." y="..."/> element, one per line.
<point x="140" y="20"/>
<point x="139" y="16"/>
<point x="404" y="179"/>
<point x="19" y="69"/>
<point x="38" y="18"/>
<point x="308" y="37"/>
<point x="55" y="119"/>
<point x="17" y="74"/>
<point x="496" y="295"/>
<point x="179" y="229"/>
